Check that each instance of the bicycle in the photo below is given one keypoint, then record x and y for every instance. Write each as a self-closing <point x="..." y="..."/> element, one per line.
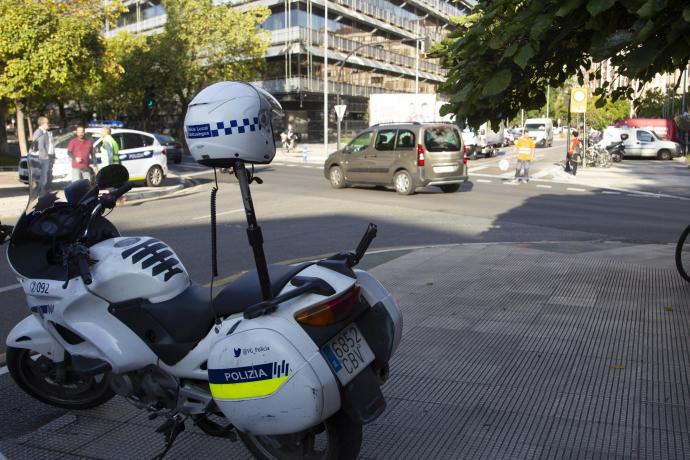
<point x="683" y="254"/>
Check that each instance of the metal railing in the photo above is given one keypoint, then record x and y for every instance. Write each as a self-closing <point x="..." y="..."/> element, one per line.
<point x="297" y="84"/>
<point x="443" y="7"/>
<point x="140" y="26"/>
<point x="371" y="51"/>
<point x="386" y="16"/>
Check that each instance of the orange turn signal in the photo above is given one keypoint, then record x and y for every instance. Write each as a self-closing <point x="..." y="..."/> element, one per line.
<point x="330" y="312"/>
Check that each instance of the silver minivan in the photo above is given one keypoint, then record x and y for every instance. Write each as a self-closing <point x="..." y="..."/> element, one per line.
<point x="402" y="155"/>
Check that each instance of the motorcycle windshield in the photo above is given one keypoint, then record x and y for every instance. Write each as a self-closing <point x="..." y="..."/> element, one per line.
<point x="53" y="184"/>
<point x="48" y="175"/>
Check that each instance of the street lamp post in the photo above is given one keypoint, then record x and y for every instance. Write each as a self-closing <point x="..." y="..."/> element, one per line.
<point x="417" y="48"/>
<point x="325" y="78"/>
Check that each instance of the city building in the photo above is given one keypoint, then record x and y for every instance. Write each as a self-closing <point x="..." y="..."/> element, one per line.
<point x="374" y="46"/>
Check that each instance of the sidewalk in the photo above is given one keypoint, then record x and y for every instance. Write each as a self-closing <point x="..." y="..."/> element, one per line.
<point x="315" y="154"/>
<point x="14" y="194"/>
<point x="524" y="350"/>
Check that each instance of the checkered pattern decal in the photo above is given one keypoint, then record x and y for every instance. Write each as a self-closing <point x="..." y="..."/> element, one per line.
<point x="223" y="128"/>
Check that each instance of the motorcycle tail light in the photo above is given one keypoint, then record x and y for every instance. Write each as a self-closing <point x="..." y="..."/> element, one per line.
<point x="332" y="311"/>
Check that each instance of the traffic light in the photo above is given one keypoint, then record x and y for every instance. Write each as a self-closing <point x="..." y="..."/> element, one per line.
<point x="149" y="97"/>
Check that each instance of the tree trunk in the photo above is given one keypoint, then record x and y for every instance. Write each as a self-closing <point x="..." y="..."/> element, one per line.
<point x="63" y="117"/>
<point x="31" y="126"/>
<point x="21" y="133"/>
<point x="3" y="126"/>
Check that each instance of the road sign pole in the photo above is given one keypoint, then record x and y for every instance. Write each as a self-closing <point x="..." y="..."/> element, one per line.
<point x="340" y="113"/>
<point x="339" y="121"/>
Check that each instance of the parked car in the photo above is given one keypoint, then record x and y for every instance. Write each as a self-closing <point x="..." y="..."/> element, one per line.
<point x="173" y="149"/>
<point x="509" y="136"/>
<point x="402" y="155"/>
<point x="140" y="152"/>
<point x="645" y="143"/>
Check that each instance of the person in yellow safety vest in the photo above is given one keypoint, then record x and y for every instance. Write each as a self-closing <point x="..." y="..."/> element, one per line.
<point x="109" y="151"/>
<point x="525" y="148"/>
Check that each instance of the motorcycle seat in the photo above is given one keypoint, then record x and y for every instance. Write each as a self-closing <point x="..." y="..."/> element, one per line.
<point x="245" y="291"/>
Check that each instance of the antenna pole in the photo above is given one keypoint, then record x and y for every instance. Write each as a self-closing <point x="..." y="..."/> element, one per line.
<point x="256" y="239"/>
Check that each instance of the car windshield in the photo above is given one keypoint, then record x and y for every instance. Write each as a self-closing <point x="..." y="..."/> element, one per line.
<point x="535" y="127"/>
<point x="441" y="139"/>
<point x="163" y="139"/>
<point x="62" y="140"/>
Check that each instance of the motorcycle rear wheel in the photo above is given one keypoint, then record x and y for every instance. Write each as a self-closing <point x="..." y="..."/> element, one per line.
<point x="683" y="254"/>
<point x="338" y="438"/>
<point x="40" y="378"/>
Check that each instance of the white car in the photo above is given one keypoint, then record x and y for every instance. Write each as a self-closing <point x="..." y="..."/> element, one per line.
<point x="140" y="152"/>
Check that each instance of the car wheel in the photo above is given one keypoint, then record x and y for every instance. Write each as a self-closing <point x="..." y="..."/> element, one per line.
<point x="403" y="183"/>
<point x="450" y="188"/>
<point x="664" y="154"/>
<point x="154" y="178"/>
<point x="336" y="176"/>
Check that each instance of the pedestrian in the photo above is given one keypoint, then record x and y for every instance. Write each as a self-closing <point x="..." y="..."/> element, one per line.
<point x="573" y="156"/>
<point x="42" y="145"/>
<point x="109" y="148"/>
<point x="80" y="150"/>
<point x="525" y="147"/>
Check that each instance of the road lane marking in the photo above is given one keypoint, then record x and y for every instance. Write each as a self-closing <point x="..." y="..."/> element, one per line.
<point x="573" y="189"/>
<point x="217" y="214"/>
<point x="11" y="287"/>
<point x="477" y="168"/>
<point x="606" y="192"/>
<point x="484" y="181"/>
<point x="543" y="186"/>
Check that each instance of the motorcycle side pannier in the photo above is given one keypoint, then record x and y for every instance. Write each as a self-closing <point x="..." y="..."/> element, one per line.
<point x="264" y="386"/>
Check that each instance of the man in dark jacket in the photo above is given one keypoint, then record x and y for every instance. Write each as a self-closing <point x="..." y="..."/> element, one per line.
<point x="42" y="145"/>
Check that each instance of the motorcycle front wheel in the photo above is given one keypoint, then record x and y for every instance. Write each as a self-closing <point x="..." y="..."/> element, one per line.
<point x="56" y="384"/>
<point x="338" y="438"/>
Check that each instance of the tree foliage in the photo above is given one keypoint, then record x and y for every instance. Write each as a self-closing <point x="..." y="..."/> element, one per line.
<point x="47" y="45"/>
<point x="204" y="42"/>
<point x="502" y="57"/>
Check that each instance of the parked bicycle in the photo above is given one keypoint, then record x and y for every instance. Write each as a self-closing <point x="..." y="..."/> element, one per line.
<point x="597" y="156"/>
<point x="683" y="254"/>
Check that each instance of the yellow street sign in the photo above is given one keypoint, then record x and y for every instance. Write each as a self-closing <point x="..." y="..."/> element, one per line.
<point x="578" y="100"/>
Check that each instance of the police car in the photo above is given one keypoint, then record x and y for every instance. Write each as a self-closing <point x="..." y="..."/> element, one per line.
<point x="140" y="152"/>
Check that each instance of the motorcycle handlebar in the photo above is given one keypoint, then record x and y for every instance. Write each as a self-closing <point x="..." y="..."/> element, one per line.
<point x="84" y="271"/>
<point x="111" y="198"/>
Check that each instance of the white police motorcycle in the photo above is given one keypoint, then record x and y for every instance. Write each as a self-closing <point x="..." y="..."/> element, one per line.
<point x="290" y="358"/>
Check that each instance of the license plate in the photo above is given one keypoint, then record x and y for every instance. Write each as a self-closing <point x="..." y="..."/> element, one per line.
<point x="445" y="169"/>
<point x="348" y="353"/>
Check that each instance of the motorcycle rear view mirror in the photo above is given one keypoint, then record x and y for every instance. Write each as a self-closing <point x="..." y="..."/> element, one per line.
<point x="114" y="176"/>
<point x="624" y="137"/>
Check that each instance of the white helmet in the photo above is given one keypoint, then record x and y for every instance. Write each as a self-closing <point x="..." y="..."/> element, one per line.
<point x="231" y="120"/>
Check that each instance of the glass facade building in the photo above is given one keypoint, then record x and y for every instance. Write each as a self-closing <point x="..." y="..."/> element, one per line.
<point x="372" y="48"/>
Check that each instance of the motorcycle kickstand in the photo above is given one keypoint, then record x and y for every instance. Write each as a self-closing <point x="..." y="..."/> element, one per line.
<point x="171" y="428"/>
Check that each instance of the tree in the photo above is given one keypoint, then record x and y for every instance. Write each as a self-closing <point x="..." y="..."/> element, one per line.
<point x="119" y="90"/>
<point x="502" y="57"/>
<point x="204" y="42"/>
<point x="46" y="45"/>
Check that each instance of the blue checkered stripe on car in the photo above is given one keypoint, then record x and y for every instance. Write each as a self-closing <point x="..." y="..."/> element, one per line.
<point x="224" y="128"/>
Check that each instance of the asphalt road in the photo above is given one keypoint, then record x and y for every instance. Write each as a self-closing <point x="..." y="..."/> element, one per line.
<point x="302" y="217"/>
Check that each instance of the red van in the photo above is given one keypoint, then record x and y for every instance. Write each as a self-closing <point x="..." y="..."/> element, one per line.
<point x="665" y="128"/>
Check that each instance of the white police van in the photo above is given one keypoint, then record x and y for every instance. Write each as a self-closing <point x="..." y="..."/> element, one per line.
<point x="140" y="152"/>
